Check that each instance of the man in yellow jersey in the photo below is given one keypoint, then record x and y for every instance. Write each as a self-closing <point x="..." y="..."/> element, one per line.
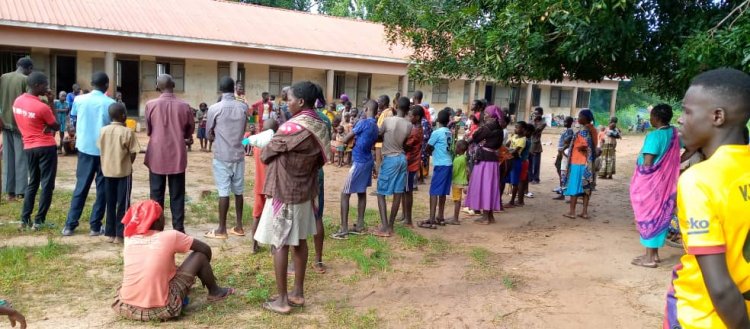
<point x="711" y="284"/>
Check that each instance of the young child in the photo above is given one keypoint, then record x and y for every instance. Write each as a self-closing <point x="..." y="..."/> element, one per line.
<point x="119" y="148"/>
<point x="438" y="147"/>
<point x="460" y="180"/>
<point x="711" y="284"/>
<point x="517" y="145"/>
<point x="348" y="126"/>
<point x="414" y="161"/>
<point x="524" y="188"/>
<point x="392" y="173"/>
<point x="340" y="144"/>
<point x="258" y="141"/>
<point x="201" y="118"/>
<point x="360" y="175"/>
<point x="566" y="138"/>
<point x="69" y="141"/>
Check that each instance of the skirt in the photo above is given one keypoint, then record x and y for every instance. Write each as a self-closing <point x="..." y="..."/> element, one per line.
<point x="578" y="183"/>
<point x="609" y="159"/>
<point x="179" y="288"/>
<point x="302" y="223"/>
<point x="484" y="193"/>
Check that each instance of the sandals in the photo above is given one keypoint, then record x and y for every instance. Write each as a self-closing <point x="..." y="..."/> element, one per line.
<point x="213" y="235"/>
<point x="452" y="222"/>
<point x="340" y="236"/>
<point x="356" y="230"/>
<point x="638" y="261"/>
<point x="378" y="233"/>
<point x="440" y="222"/>
<point x="213" y="299"/>
<point x="319" y="268"/>
<point x="267" y="306"/>
<point x="427" y="224"/>
<point x="234" y="232"/>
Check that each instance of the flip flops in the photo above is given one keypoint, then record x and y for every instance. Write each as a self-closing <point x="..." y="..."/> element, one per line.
<point x="234" y="232"/>
<point x="213" y="235"/>
<point x="427" y="224"/>
<point x="214" y="299"/>
<point x="340" y="236"/>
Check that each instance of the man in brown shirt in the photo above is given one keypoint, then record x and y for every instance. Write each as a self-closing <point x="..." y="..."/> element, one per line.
<point x="170" y="123"/>
<point x="15" y="169"/>
<point x="118" y="147"/>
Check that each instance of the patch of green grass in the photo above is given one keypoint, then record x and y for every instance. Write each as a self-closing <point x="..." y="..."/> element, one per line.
<point x="339" y="315"/>
<point x="262" y="291"/>
<point x="480" y="257"/>
<point x="368" y="252"/>
<point x="410" y="238"/>
<point x="10" y="214"/>
<point x="509" y="282"/>
<point x="32" y="266"/>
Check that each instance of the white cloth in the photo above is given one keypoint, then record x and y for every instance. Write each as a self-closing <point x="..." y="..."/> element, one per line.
<point x="302" y="220"/>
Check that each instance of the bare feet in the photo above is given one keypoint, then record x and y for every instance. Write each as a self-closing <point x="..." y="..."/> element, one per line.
<point x="571" y="216"/>
<point x="641" y="261"/>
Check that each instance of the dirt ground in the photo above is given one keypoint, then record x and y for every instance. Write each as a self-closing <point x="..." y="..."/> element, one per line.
<point x="542" y="270"/>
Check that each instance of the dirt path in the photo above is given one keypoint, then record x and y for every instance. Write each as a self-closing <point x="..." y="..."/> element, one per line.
<point x="534" y="269"/>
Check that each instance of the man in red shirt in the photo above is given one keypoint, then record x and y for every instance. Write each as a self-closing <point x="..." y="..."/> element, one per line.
<point x="37" y="125"/>
<point x="170" y="122"/>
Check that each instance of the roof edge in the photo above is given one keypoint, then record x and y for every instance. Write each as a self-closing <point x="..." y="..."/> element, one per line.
<point x="198" y="41"/>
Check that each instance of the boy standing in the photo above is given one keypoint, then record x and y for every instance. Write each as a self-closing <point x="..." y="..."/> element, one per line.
<point x="460" y="180"/>
<point x="413" y="160"/>
<point x="200" y="116"/>
<point x="119" y="148"/>
<point x="438" y="147"/>
<point x="711" y="285"/>
<point x="565" y="139"/>
<point x="517" y="145"/>
<point x="360" y="175"/>
<point x="61" y="112"/>
<point x="37" y="126"/>
<point x="392" y="173"/>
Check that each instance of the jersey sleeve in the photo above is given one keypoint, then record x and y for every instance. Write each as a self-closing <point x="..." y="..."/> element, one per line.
<point x="48" y="116"/>
<point x="358" y="127"/>
<point x="433" y="139"/>
<point x="702" y="229"/>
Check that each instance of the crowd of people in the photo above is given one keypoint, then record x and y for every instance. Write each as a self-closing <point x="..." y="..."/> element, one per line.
<point x="475" y="159"/>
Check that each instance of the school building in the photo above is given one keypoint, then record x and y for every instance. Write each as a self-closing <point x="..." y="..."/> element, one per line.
<point x="199" y="41"/>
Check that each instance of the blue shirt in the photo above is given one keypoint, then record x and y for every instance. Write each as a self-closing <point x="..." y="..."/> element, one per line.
<point x="440" y="140"/>
<point x="365" y="133"/>
<point x="92" y="113"/>
<point x="566" y="137"/>
<point x="69" y="99"/>
<point x="657" y="144"/>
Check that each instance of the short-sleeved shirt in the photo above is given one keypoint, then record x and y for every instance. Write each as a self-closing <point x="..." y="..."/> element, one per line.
<point x="395" y="130"/>
<point x="149" y="265"/>
<point x="366" y="133"/>
<point x="460" y="175"/>
<point x="70" y="98"/>
<point x="61" y="106"/>
<point x="713" y="200"/>
<point x="657" y="142"/>
<point x="92" y="113"/>
<point x="565" y="138"/>
<point x="12" y="85"/>
<point x="414" y="154"/>
<point x="170" y="122"/>
<point x="230" y="116"/>
<point x="440" y="140"/>
<point x="32" y="116"/>
<point x="117" y="143"/>
<point x="517" y="141"/>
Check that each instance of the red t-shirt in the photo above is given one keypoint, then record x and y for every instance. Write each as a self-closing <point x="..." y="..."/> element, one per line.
<point x="31" y="117"/>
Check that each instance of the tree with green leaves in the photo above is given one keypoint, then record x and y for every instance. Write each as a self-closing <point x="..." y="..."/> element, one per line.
<point x="664" y="41"/>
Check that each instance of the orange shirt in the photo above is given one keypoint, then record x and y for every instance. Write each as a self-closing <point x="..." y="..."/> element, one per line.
<point x="149" y="266"/>
<point x="578" y="157"/>
<point x="260" y="172"/>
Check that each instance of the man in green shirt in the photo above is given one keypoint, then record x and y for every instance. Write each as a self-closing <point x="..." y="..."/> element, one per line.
<point x="15" y="168"/>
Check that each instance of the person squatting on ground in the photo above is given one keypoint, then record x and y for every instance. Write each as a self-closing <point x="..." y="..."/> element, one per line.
<point x="153" y="288"/>
<point x="119" y="148"/>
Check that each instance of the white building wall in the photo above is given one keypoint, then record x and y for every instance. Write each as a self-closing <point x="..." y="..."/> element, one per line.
<point x="383" y="84"/>
<point x="256" y="81"/>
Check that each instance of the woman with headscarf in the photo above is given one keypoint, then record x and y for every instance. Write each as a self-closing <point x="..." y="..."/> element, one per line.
<point x="153" y="288"/>
<point x="581" y="156"/>
<point x="294" y="156"/>
<point x="483" y="192"/>
<point x="653" y="188"/>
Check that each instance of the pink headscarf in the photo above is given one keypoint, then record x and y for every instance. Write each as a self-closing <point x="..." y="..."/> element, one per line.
<point x="140" y="217"/>
<point x="495" y="112"/>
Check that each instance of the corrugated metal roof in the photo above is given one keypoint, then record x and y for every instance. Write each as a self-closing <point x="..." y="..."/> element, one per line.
<point x="207" y="20"/>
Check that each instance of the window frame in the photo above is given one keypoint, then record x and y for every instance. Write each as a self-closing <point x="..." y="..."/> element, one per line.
<point x="274" y="88"/>
<point x="440" y="96"/>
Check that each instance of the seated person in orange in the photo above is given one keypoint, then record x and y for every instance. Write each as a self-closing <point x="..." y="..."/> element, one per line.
<point x="153" y="288"/>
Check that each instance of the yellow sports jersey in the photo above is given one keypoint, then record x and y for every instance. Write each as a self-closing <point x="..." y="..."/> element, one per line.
<point x="517" y="141"/>
<point x="713" y="202"/>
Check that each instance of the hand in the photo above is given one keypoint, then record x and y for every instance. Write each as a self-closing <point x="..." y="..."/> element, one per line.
<point x="17" y="317"/>
<point x="50" y="97"/>
<point x="189" y="141"/>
